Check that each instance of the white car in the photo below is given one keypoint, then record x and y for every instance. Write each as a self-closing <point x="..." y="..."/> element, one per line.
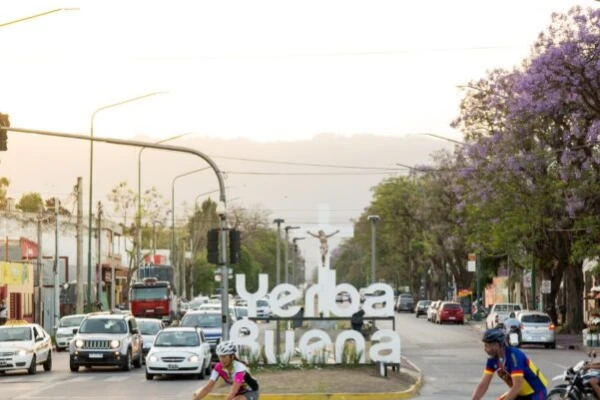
<point x="149" y="328"/>
<point x="64" y="333"/>
<point x="263" y="308"/>
<point x="24" y="346"/>
<point x="179" y="351"/>
<point x="210" y="307"/>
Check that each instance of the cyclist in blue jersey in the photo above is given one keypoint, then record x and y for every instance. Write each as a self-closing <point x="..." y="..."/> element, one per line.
<point x="526" y="382"/>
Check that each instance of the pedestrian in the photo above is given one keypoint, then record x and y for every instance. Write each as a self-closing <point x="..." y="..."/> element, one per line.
<point x="357" y="320"/>
<point x="525" y="380"/>
<point x="3" y="312"/>
<point x="234" y="372"/>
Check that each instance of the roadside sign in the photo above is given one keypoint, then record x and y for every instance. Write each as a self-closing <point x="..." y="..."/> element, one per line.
<point x="527" y="280"/>
<point x="546" y="287"/>
<point x="472" y="263"/>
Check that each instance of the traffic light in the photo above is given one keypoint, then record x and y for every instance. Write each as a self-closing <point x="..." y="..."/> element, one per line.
<point x="212" y="246"/>
<point x="235" y="245"/>
<point x="4" y="123"/>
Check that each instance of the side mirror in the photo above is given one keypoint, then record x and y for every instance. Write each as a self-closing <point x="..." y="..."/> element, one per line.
<point x="75" y="331"/>
<point x="39" y="338"/>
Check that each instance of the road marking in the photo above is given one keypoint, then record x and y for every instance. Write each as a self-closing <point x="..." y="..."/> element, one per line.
<point x="116" y="379"/>
<point x="80" y="379"/>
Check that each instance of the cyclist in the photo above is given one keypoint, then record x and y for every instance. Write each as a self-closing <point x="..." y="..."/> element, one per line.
<point x="526" y="382"/>
<point x="234" y="372"/>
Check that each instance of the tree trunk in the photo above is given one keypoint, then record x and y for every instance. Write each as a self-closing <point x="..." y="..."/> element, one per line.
<point x="574" y="280"/>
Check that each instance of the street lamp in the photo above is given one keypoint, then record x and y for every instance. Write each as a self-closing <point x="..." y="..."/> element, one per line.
<point x="173" y="220"/>
<point x="294" y="240"/>
<point x="374" y="219"/>
<point x="37" y="16"/>
<point x="278" y="221"/>
<point x="89" y="280"/>
<point x="139" y="205"/>
<point x="286" y="251"/>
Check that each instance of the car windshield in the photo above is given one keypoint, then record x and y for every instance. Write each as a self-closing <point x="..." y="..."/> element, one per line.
<point x="19" y="334"/>
<point x="536" y="319"/>
<point x="71" y="322"/>
<point x="451" y="306"/>
<point x="177" y="339"/>
<point x="202" y="320"/>
<point x="103" y="325"/>
<point x="262" y="303"/>
<point x="241" y="312"/>
<point x="507" y="307"/>
<point x="149" y="327"/>
<point x="149" y="293"/>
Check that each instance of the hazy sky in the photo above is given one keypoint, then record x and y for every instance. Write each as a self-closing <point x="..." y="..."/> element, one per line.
<point x="261" y="70"/>
<point x="264" y="70"/>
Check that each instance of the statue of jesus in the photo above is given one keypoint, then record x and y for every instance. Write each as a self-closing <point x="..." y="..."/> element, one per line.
<point x="323" y="239"/>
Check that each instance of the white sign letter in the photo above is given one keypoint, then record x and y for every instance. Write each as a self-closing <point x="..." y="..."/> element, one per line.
<point x="286" y="356"/>
<point x="309" y="350"/>
<point x="250" y="340"/>
<point x="359" y="346"/>
<point x="371" y="301"/>
<point x="277" y="302"/>
<point x="392" y="344"/>
<point x="252" y="298"/>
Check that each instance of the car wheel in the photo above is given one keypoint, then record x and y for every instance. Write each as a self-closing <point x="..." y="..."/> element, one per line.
<point x="149" y="377"/>
<point x="33" y="367"/>
<point x="48" y="362"/>
<point x="138" y="363"/>
<point x="208" y="369"/>
<point x="202" y="374"/>
<point x="74" y="367"/>
<point x="553" y="345"/>
<point x="127" y="365"/>
<point x="58" y="349"/>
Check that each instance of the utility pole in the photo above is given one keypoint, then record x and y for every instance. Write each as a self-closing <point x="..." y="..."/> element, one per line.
<point x="99" y="275"/>
<point x="374" y="219"/>
<point x="38" y="297"/>
<point x="79" y="271"/>
<point x="224" y="278"/>
<point x="112" y="270"/>
<point x="56" y="277"/>
<point x="278" y="221"/>
<point x="286" y="251"/>
<point x="294" y="281"/>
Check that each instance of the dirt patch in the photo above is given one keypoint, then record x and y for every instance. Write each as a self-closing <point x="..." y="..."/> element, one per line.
<point x="330" y="379"/>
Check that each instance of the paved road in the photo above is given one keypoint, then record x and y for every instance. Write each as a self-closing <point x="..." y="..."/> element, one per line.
<point x="451" y="357"/>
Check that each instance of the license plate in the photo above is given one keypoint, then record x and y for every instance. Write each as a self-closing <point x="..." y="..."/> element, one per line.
<point x="96" y="355"/>
<point x="451" y="317"/>
<point x="172" y="366"/>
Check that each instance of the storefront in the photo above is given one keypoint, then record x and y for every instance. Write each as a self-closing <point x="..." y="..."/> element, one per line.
<point x="16" y="288"/>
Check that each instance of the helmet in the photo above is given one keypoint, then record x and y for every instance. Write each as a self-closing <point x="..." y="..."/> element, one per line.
<point x="226" y="348"/>
<point x="493" y="336"/>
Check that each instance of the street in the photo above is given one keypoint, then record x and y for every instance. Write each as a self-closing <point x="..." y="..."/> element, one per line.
<point x="451" y="357"/>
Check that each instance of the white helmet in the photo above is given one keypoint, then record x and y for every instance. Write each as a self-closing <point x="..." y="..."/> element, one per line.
<point x="226" y="348"/>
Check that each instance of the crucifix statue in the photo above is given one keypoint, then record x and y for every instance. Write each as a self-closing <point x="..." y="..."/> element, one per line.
<point x="322" y="236"/>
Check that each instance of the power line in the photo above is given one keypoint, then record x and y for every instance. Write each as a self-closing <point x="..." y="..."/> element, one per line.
<point x="310" y="173"/>
<point x="256" y="160"/>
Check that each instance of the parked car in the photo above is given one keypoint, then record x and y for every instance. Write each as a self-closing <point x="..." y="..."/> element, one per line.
<point x="405" y="302"/>
<point x="432" y="311"/>
<point x="422" y="307"/>
<point x="64" y="332"/>
<point x="24" y="346"/>
<point x="450" y="312"/>
<point x="499" y="312"/>
<point x="537" y="328"/>
<point x="179" y="351"/>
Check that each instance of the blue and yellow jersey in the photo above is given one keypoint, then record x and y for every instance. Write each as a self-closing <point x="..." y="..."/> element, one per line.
<point x="517" y="364"/>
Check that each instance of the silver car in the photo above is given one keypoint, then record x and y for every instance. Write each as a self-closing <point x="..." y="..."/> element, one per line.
<point x="537" y="328"/>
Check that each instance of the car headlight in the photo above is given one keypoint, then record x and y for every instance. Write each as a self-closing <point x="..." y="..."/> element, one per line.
<point x="153" y="358"/>
<point x="115" y="344"/>
<point x="194" y="359"/>
<point x="79" y="343"/>
<point x="22" y="352"/>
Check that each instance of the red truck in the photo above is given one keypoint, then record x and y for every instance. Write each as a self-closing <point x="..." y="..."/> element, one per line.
<point x="152" y="298"/>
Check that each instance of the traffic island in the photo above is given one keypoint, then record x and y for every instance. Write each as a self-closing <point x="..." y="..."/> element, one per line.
<point x="334" y="382"/>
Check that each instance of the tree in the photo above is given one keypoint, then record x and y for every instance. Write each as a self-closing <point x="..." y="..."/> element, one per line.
<point x="49" y="203"/>
<point x="31" y="203"/>
<point x="4" y="183"/>
<point x="125" y="203"/>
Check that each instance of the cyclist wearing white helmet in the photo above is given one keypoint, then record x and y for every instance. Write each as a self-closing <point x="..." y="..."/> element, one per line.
<point x="234" y="372"/>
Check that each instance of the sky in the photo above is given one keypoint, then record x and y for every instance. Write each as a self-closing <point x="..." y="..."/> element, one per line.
<point x="260" y="70"/>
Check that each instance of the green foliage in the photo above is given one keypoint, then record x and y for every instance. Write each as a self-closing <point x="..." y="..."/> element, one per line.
<point x="31" y="203"/>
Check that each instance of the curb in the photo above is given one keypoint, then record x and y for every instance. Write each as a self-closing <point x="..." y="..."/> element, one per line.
<point x="405" y="394"/>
